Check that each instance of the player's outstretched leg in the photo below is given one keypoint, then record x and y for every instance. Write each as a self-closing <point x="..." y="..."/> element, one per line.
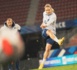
<point x="53" y="36"/>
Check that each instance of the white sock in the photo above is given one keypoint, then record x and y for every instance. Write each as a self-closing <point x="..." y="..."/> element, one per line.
<point x="55" y="39"/>
<point x="43" y="61"/>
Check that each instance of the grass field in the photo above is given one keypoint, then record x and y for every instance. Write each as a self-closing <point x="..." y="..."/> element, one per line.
<point x="67" y="67"/>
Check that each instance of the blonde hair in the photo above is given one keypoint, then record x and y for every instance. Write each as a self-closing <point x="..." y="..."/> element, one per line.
<point x="48" y="5"/>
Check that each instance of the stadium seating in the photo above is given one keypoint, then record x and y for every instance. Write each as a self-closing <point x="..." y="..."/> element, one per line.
<point x="16" y="9"/>
<point x="65" y="9"/>
<point x="72" y="41"/>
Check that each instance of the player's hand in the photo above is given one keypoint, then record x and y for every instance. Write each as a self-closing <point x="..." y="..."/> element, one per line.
<point x="43" y="26"/>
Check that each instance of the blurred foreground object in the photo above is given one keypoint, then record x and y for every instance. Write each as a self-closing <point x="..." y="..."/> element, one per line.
<point x="11" y="45"/>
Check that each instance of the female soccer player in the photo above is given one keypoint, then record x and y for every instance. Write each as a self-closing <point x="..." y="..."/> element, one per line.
<point x="49" y="31"/>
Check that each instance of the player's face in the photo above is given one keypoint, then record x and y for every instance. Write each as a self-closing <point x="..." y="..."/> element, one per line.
<point x="48" y="10"/>
<point x="9" y="22"/>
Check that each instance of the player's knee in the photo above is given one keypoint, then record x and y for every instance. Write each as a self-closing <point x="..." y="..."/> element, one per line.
<point x="48" y="32"/>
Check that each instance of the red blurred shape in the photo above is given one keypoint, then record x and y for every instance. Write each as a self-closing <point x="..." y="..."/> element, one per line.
<point x="7" y="47"/>
<point x="75" y="52"/>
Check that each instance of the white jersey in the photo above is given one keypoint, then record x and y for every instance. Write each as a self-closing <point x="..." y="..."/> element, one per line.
<point x="15" y="27"/>
<point x="50" y="21"/>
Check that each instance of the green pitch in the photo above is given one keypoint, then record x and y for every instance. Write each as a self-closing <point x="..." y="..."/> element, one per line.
<point x="67" y="67"/>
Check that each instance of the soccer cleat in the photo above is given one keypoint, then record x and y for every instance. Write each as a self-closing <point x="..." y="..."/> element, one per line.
<point x="41" y="66"/>
<point x="60" y="42"/>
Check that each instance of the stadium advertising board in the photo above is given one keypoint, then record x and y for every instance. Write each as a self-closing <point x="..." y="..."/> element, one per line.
<point x="57" y="61"/>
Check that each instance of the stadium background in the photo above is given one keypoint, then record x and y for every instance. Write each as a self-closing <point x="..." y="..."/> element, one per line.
<point x="28" y="14"/>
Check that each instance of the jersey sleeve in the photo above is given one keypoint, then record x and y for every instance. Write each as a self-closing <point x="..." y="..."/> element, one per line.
<point x="18" y="27"/>
<point x="2" y="28"/>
